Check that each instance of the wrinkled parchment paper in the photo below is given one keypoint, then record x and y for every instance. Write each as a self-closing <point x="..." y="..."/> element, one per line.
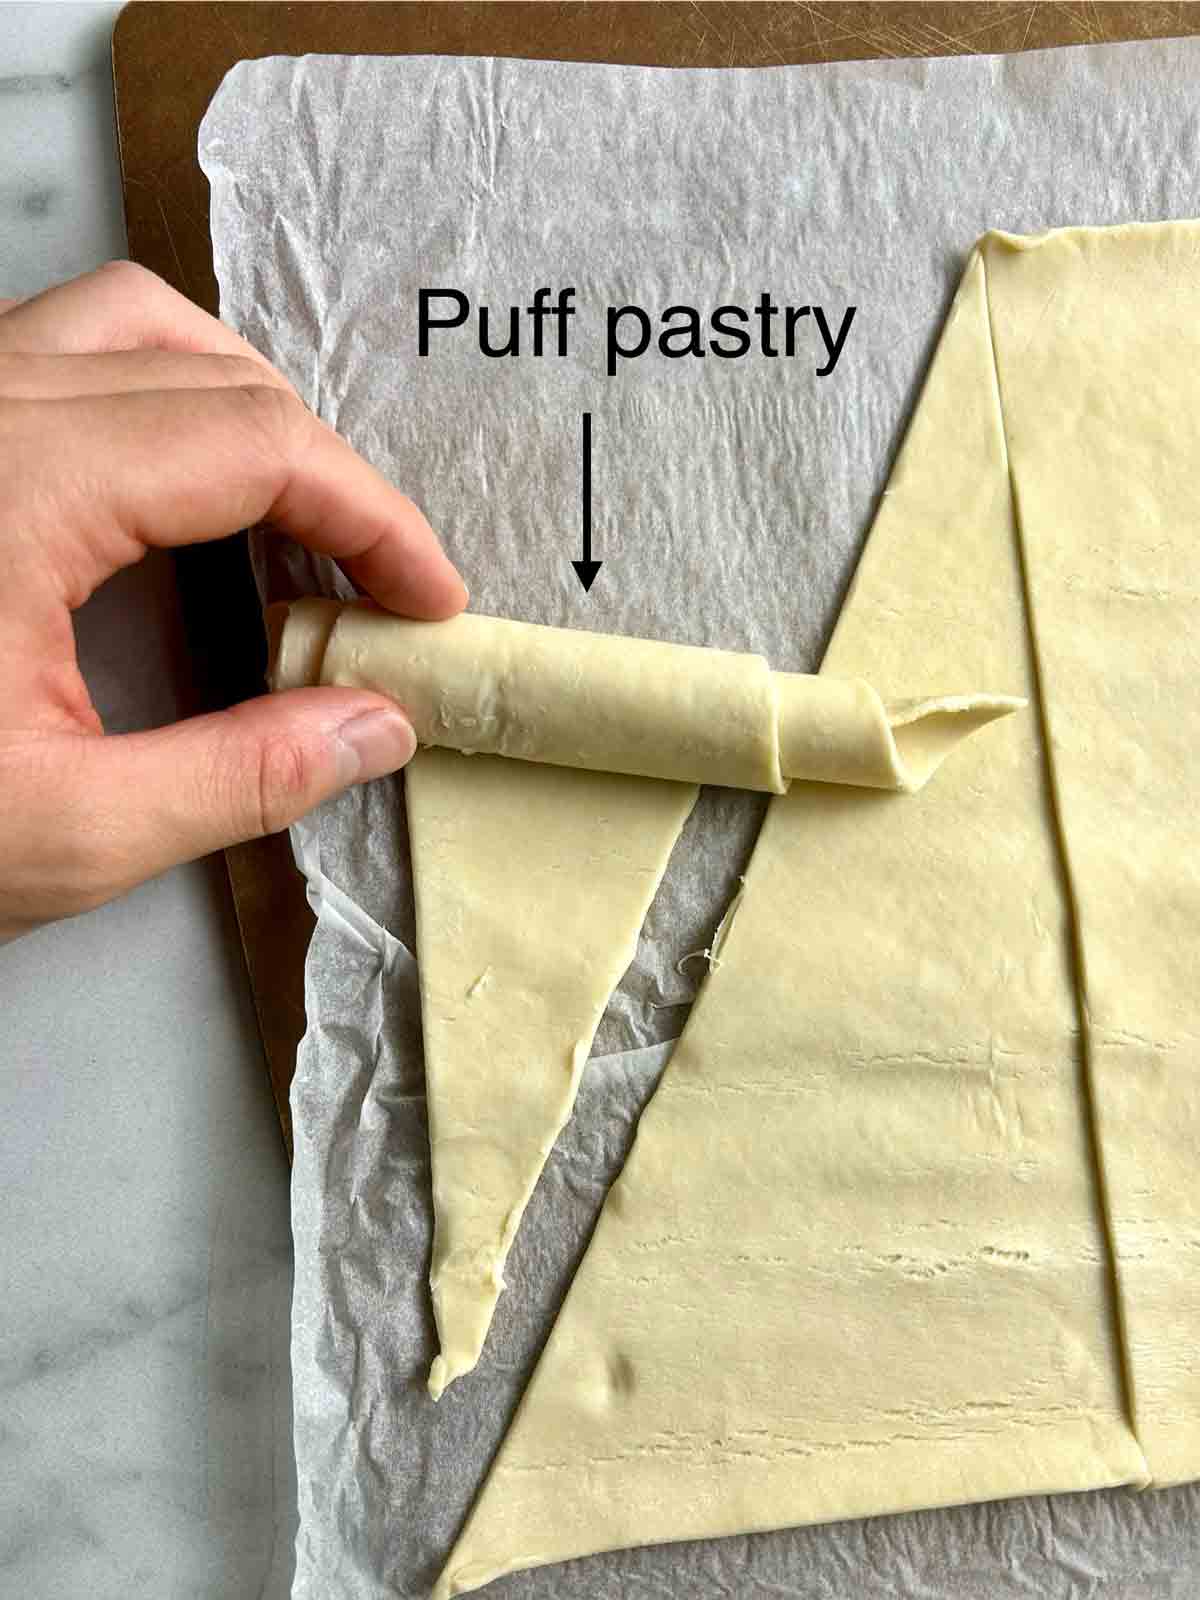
<point x="731" y="498"/>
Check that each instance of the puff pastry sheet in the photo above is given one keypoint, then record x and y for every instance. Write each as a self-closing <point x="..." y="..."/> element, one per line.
<point x="911" y="1218"/>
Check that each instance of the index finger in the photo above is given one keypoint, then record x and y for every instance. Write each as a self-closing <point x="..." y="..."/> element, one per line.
<point x="179" y="466"/>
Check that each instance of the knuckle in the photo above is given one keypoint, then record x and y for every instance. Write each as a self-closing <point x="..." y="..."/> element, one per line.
<point x="83" y="873"/>
<point x="136" y="310"/>
<point x="89" y="869"/>
<point x="287" y="774"/>
<point x="131" y="275"/>
<point x="244" y="372"/>
<point x="67" y="861"/>
<point x="96" y="878"/>
<point x="276" y="420"/>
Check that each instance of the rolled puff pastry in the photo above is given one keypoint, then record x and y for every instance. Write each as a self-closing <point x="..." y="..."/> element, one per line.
<point x="599" y="702"/>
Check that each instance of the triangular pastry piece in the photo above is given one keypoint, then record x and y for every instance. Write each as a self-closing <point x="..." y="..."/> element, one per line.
<point x="531" y="883"/>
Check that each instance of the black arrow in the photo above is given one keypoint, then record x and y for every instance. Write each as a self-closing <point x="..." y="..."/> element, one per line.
<point x="587" y="569"/>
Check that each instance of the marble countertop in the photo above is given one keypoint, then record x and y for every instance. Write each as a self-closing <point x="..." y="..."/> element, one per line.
<point x="145" y="1255"/>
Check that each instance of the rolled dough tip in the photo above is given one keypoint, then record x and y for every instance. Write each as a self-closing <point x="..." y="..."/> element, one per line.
<point x="274" y="621"/>
<point x="298" y="634"/>
<point x="1004" y="705"/>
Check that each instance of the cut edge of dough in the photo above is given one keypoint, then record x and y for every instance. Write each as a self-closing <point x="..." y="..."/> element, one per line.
<point x="465" y="1293"/>
<point x="454" y="1360"/>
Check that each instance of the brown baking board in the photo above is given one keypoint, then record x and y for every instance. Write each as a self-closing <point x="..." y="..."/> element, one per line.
<point x="168" y="60"/>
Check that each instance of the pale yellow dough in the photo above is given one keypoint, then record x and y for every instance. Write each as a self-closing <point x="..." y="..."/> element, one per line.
<point x="487" y="685"/>
<point x="912" y="1218"/>
<point x="859" y="1258"/>
<point x="1099" y="365"/>
<point x="531" y="885"/>
<point x="533" y="876"/>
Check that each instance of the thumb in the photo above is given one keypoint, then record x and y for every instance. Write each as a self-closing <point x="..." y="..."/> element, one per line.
<point x="179" y="792"/>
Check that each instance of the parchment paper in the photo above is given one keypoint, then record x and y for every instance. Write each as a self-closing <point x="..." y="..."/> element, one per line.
<point x="731" y="498"/>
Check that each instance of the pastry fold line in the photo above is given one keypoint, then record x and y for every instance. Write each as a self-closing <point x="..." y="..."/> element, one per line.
<point x="606" y="703"/>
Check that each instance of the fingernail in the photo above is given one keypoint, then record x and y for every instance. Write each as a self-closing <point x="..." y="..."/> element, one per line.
<point x="374" y="743"/>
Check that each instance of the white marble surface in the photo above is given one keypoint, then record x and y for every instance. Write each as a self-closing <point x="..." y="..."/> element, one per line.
<point x="145" y="1258"/>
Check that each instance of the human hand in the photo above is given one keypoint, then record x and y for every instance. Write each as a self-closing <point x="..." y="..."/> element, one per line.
<point x="130" y="421"/>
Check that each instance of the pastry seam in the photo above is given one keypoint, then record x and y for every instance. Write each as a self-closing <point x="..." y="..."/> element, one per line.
<point x="1078" y="956"/>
